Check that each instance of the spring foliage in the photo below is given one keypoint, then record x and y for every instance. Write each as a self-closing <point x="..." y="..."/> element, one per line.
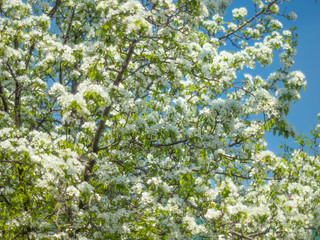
<point x="145" y="119"/>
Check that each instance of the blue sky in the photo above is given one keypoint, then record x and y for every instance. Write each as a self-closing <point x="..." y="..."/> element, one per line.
<point x="303" y="114"/>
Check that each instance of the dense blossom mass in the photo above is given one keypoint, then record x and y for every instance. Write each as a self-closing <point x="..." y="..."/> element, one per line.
<point x="145" y="119"/>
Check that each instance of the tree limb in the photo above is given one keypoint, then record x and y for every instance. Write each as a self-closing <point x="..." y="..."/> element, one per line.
<point x="247" y="22"/>
<point x="54" y="9"/>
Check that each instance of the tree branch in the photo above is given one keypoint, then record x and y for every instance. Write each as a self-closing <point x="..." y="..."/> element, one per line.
<point x="247" y="22"/>
<point x="101" y="126"/>
<point x="30" y="54"/>
<point x="69" y="26"/>
<point x="6" y="199"/>
<point x="17" y="98"/>
<point x="168" y="144"/>
<point x="241" y="235"/>
<point x="54" y="9"/>
<point x="4" y="99"/>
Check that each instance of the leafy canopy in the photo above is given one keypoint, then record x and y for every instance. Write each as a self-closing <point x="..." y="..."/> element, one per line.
<point x="145" y="119"/>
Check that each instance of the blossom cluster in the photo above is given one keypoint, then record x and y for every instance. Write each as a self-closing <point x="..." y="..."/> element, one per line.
<point x="130" y="119"/>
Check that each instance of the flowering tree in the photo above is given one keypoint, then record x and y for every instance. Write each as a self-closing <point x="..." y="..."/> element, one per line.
<point x="143" y="119"/>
